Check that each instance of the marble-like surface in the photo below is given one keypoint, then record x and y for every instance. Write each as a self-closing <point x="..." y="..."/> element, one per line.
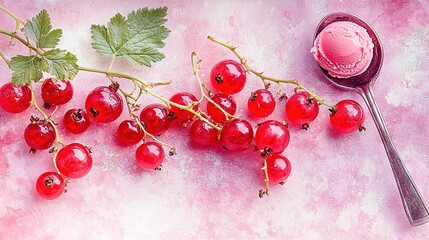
<point x="341" y="186"/>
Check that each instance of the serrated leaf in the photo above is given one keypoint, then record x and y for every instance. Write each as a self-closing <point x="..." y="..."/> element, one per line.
<point x="60" y="63"/>
<point x="146" y="56"/>
<point x="39" y="28"/>
<point x="109" y="40"/>
<point x="25" y="69"/>
<point x="101" y="39"/>
<point x="118" y="30"/>
<point x="137" y="38"/>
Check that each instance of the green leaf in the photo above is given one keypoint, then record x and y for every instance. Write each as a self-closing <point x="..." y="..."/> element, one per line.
<point x="60" y="63"/>
<point x="25" y="69"/>
<point x="137" y="38"/>
<point x="118" y="30"/>
<point x="109" y="40"/>
<point x="39" y="29"/>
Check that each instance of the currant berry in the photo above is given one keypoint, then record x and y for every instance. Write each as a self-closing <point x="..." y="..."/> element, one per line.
<point x="104" y="104"/>
<point x="301" y="109"/>
<point x="228" y="77"/>
<point x="278" y="168"/>
<point x="272" y="137"/>
<point x="156" y="119"/>
<point x="261" y="103"/>
<point x="184" y="99"/>
<point x="149" y="155"/>
<point x="348" y="116"/>
<point x="236" y="135"/>
<point x="202" y="134"/>
<point x="39" y="134"/>
<point x="76" y="121"/>
<point x="226" y="102"/>
<point x="50" y="185"/>
<point x="56" y="93"/>
<point x="129" y="133"/>
<point x="74" y="160"/>
<point x="15" y="99"/>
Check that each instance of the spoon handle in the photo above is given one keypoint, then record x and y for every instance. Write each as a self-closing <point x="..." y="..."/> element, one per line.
<point x="414" y="204"/>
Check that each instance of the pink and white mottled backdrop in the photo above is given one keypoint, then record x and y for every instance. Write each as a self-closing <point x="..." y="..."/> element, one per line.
<point x="341" y="186"/>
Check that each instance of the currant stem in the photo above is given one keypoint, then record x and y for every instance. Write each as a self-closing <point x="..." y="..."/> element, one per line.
<point x="196" y="66"/>
<point x="22" y="40"/>
<point x="54" y="126"/>
<point x="7" y="11"/>
<point x="5" y="59"/>
<point x="135" y="117"/>
<point x="267" y="180"/>
<point x="18" y="22"/>
<point x="265" y="78"/>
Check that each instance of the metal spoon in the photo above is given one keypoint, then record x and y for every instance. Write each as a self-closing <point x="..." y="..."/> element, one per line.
<point x="414" y="204"/>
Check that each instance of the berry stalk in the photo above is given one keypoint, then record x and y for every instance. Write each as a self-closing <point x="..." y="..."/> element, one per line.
<point x="5" y="59"/>
<point x="54" y="125"/>
<point x="265" y="79"/>
<point x="196" y="66"/>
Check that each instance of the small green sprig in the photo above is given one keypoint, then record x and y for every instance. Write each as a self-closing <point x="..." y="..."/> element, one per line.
<point x="47" y="58"/>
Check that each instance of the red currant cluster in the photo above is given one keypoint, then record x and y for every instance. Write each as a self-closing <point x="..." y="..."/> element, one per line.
<point x="218" y="125"/>
<point x="71" y="161"/>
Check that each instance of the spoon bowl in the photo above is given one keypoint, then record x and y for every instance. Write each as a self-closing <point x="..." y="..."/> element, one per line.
<point x="374" y="68"/>
<point x="414" y="204"/>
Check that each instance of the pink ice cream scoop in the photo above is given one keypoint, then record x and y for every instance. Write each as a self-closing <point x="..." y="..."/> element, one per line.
<point x="344" y="49"/>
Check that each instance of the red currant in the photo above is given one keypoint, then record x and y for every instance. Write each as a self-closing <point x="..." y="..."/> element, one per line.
<point x="15" y="99"/>
<point x="76" y="121"/>
<point x="226" y="102"/>
<point x="301" y="108"/>
<point x="39" y="134"/>
<point x="347" y="117"/>
<point x="278" y="168"/>
<point x="261" y="103"/>
<point x="272" y="136"/>
<point x="56" y="93"/>
<point x="149" y="155"/>
<point x="74" y="160"/>
<point x="228" y="77"/>
<point x="203" y="134"/>
<point x="236" y="135"/>
<point x="129" y="133"/>
<point x="104" y="104"/>
<point x="155" y="118"/>
<point x="50" y="185"/>
<point x="184" y="99"/>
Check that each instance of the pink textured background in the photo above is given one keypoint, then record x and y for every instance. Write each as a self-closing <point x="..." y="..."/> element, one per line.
<point x="341" y="186"/>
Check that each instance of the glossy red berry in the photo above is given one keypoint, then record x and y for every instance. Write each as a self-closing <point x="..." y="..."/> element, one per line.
<point x="74" y="160"/>
<point x="236" y="135"/>
<point x="155" y="119"/>
<point x="278" y="168"/>
<point x="301" y="108"/>
<point x="150" y="155"/>
<point x="39" y="134"/>
<point x="76" y="121"/>
<point x="184" y="99"/>
<point x="50" y="185"/>
<point x="347" y="117"/>
<point x="104" y="104"/>
<point x="226" y="102"/>
<point x="14" y="99"/>
<point x="261" y="103"/>
<point x="272" y="137"/>
<point x="56" y="93"/>
<point x="129" y="133"/>
<point x="228" y="77"/>
<point x="202" y="134"/>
